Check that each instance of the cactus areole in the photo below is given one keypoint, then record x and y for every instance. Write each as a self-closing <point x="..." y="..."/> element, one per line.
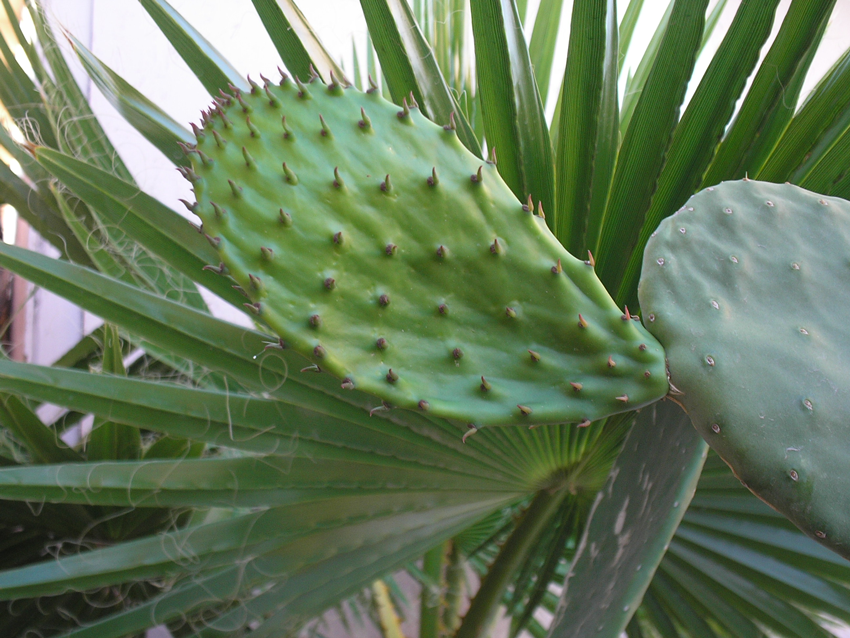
<point x="372" y="242"/>
<point x="747" y="288"/>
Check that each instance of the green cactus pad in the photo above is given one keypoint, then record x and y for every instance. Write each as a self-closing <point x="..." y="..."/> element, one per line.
<point x="374" y="243"/>
<point x="747" y="288"/>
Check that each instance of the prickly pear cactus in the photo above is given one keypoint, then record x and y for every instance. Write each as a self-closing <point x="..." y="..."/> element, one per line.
<point x="747" y="288"/>
<point x="374" y="243"/>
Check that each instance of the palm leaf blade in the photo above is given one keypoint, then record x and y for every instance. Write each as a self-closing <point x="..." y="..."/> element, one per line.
<point x="587" y="133"/>
<point x="701" y="127"/>
<point x="213" y="71"/>
<point x="801" y="30"/>
<point x="409" y="65"/>
<point x="820" y="121"/>
<point x="295" y="40"/>
<point x="647" y="140"/>
<point x="147" y="118"/>
<point x="513" y="113"/>
<point x="149" y="222"/>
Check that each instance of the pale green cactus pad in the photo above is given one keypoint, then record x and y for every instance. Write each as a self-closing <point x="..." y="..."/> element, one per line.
<point x="748" y="288"/>
<point x="374" y="243"/>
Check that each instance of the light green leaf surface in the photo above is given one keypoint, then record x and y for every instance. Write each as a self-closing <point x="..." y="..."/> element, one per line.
<point x="627" y="30"/>
<point x="109" y="440"/>
<point x="269" y="481"/>
<point x="40" y="441"/>
<point x="230" y="419"/>
<point x="637" y="80"/>
<point x="98" y="250"/>
<point x="78" y="132"/>
<point x="41" y="215"/>
<point x="822" y="119"/>
<point x="271" y="535"/>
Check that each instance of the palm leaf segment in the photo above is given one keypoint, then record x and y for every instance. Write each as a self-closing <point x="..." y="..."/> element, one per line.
<point x="309" y="497"/>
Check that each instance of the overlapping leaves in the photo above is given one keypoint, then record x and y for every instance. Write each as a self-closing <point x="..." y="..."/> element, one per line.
<point x="258" y="492"/>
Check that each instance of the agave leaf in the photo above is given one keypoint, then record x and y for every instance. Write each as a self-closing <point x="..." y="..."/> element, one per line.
<point x="778" y="121"/>
<point x="99" y="251"/>
<point x="110" y="440"/>
<point x="627" y="29"/>
<point x="261" y="425"/>
<point x="291" y="542"/>
<point x="28" y="164"/>
<point x="18" y="93"/>
<point x="636" y="81"/>
<point x="296" y="42"/>
<point x="311" y="591"/>
<point x="272" y="535"/>
<point x="711" y="22"/>
<point x="81" y="133"/>
<point x="75" y="390"/>
<point x="510" y="102"/>
<point x="81" y="354"/>
<point x="269" y="481"/>
<point x="830" y="174"/>
<point x="84" y="139"/>
<point x="27" y="46"/>
<point x="40" y="441"/>
<point x="169" y="447"/>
